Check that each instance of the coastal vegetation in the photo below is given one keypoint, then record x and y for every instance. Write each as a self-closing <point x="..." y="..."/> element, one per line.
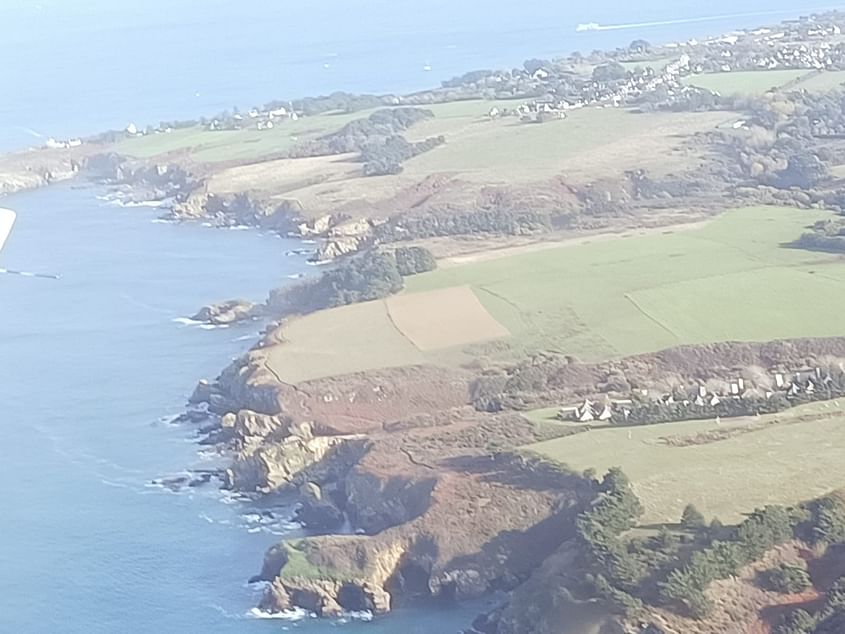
<point x="674" y="568"/>
<point x="520" y="238"/>
<point x="368" y="276"/>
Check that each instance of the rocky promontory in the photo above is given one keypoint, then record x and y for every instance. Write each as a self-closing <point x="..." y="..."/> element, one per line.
<point x="439" y="503"/>
<point x="229" y="312"/>
<point x="422" y="468"/>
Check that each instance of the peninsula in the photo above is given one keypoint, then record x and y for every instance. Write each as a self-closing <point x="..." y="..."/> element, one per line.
<point x="579" y="340"/>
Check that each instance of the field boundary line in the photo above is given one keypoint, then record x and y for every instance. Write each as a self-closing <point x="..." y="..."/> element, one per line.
<point x="652" y="318"/>
<point x="396" y="327"/>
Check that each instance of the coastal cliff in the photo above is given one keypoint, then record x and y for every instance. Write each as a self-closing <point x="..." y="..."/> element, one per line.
<point x="442" y="506"/>
<point x="430" y="478"/>
<point x="36" y="168"/>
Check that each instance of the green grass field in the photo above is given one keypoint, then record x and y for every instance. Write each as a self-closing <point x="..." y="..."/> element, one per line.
<point x="728" y="279"/>
<point x="822" y="82"/>
<point x="221" y="145"/>
<point x="745" y="82"/>
<point x="781" y="464"/>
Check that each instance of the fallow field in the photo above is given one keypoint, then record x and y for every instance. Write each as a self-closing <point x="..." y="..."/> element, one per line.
<point x="590" y="144"/>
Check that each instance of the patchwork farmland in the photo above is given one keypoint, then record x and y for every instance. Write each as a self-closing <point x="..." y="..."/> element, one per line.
<point x="600" y="299"/>
<point x="611" y="298"/>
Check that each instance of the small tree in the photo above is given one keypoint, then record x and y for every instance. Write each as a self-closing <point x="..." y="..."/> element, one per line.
<point x="716" y="530"/>
<point x="787" y="579"/>
<point x="799" y="622"/>
<point x="692" y="518"/>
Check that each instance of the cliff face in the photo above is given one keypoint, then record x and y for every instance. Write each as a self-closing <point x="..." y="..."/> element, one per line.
<point x="444" y="517"/>
<point x="442" y="505"/>
<point x="442" y="508"/>
<point x="37" y="168"/>
<point x="227" y="210"/>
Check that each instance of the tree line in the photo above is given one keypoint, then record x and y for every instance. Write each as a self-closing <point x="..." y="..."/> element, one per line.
<point x="371" y="275"/>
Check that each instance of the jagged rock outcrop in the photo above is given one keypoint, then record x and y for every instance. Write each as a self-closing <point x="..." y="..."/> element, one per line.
<point x="446" y="517"/>
<point x="229" y="312"/>
<point x="316" y="227"/>
<point x="248" y="428"/>
<point x="318" y="511"/>
<point x="281" y="462"/>
<point x="376" y="503"/>
<point x="337" y="247"/>
<point x="228" y="210"/>
<point x="38" y="168"/>
<point x="320" y="581"/>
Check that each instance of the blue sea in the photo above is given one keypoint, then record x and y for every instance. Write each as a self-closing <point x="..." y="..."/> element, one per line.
<point x="93" y="366"/>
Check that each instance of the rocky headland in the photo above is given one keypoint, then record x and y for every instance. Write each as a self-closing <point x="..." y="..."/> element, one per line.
<point x="434" y="496"/>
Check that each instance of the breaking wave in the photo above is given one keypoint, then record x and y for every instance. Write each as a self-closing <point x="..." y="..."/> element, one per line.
<point x="295" y="614"/>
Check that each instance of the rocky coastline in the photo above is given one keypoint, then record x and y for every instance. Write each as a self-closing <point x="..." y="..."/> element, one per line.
<point x="413" y="479"/>
<point x="414" y="491"/>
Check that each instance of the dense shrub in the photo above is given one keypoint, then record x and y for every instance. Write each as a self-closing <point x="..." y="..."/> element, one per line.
<point x="467" y="223"/>
<point x="692" y="518"/>
<point x="786" y="579"/>
<point x="413" y="260"/>
<point x="369" y="276"/>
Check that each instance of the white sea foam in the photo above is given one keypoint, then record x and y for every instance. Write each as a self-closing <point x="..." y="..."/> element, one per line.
<point x="239" y="228"/>
<point x="168" y="420"/>
<point x="356" y="615"/>
<point x="187" y="321"/>
<point x="233" y="497"/>
<point x="295" y="276"/>
<point x="295" y="614"/>
<point x="213" y="326"/>
<point x="143" y="203"/>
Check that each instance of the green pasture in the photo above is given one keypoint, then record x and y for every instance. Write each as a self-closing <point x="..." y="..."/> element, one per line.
<point x="732" y="278"/>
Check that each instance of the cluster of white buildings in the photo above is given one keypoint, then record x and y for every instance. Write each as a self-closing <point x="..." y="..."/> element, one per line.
<point x="55" y="144"/>
<point x="791" y="384"/>
<point x="259" y="119"/>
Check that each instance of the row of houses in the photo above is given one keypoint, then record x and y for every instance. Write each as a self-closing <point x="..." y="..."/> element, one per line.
<point x="56" y="144"/>
<point x="806" y="381"/>
<point x="266" y="119"/>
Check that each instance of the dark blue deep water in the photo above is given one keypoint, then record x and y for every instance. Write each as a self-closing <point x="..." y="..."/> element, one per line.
<point x="92" y="365"/>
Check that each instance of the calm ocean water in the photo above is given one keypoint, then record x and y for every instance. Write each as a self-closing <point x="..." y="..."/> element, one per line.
<point x="91" y="365"/>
